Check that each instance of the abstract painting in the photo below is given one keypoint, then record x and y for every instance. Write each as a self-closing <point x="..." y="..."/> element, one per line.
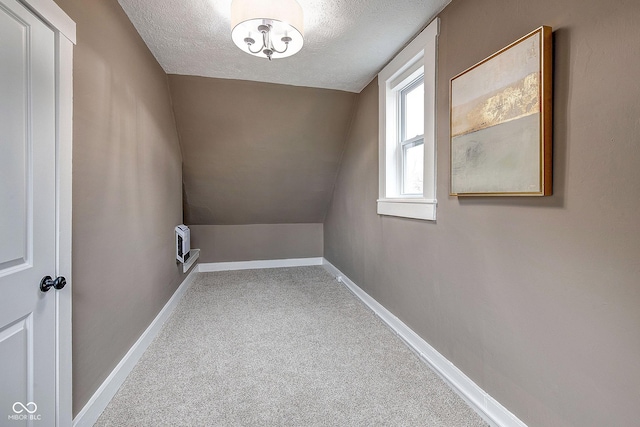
<point x="500" y="122"/>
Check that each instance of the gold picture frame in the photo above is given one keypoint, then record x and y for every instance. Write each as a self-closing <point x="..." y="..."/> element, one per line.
<point x="501" y="122"/>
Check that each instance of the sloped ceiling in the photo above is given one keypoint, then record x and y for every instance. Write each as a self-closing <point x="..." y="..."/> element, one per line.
<point x="346" y="41"/>
<point x="258" y="153"/>
<point x="255" y="152"/>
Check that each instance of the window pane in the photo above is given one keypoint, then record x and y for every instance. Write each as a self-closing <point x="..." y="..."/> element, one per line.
<point x="414" y="112"/>
<point x="413" y="168"/>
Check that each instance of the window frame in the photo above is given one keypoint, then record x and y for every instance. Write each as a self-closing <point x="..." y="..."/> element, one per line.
<point x="419" y="57"/>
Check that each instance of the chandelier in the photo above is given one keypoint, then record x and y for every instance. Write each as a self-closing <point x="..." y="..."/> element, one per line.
<point x="269" y="29"/>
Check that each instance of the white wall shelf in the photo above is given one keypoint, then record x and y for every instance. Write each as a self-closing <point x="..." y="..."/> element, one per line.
<point x="195" y="254"/>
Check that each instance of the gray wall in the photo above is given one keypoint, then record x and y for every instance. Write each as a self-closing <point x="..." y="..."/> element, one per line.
<point x="221" y="243"/>
<point x="258" y="153"/>
<point x="535" y="299"/>
<point x="127" y="194"/>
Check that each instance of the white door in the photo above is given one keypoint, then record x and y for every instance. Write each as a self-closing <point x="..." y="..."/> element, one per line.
<point x="27" y="218"/>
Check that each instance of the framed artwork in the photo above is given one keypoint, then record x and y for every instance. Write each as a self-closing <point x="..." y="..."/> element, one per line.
<point x="501" y="122"/>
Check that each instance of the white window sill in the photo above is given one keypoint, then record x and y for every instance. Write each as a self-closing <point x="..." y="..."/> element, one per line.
<point x="416" y="208"/>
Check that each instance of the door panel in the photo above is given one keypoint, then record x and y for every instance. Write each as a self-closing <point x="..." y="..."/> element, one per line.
<point x="13" y="162"/>
<point x="27" y="217"/>
<point x="16" y="350"/>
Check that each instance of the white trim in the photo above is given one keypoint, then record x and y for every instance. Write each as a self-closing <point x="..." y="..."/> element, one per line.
<point x="408" y="208"/>
<point x="486" y="406"/>
<point x="65" y="37"/>
<point x="251" y="265"/>
<point x="64" y="155"/>
<point x="411" y="52"/>
<point x="421" y="52"/>
<point x="411" y="73"/>
<point x="101" y="398"/>
<point x="54" y="16"/>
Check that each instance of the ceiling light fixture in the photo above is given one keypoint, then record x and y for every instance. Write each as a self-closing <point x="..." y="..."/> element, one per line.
<point x="275" y="25"/>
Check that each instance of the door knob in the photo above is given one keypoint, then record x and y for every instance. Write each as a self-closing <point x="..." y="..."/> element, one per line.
<point x="47" y="283"/>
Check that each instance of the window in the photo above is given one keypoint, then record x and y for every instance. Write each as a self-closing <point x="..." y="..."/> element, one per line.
<point x="411" y="136"/>
<point x="407" y="130"/>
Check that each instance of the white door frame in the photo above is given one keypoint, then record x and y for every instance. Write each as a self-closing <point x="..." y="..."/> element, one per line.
<point x="65" y="37"/>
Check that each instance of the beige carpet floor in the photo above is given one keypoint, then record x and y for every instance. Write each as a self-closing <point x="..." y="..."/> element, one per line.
<point x="280" y="347"/>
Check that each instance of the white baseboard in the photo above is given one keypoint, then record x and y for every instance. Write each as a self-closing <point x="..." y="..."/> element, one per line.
<point x="101" y="398"/>
<point x="486" y="406"/>
<point x="251" y="265"/>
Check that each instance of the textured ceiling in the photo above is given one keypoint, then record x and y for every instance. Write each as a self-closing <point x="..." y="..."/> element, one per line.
<point x="347" y="42"/>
